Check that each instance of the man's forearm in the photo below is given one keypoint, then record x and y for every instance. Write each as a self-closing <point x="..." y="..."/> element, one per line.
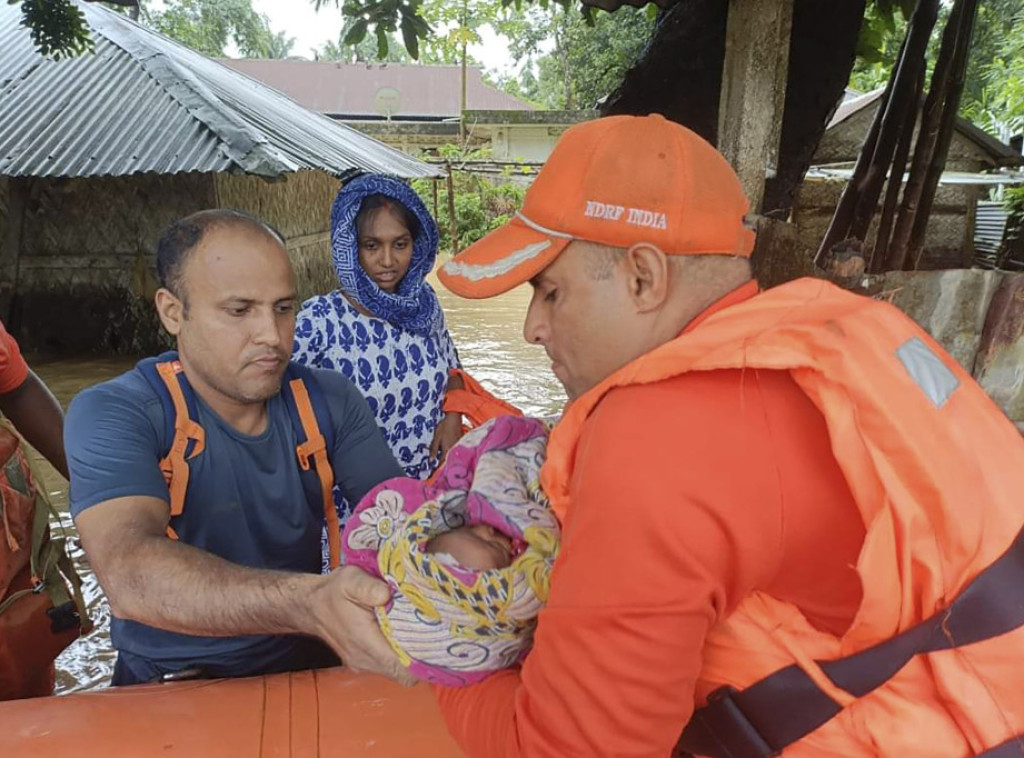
<point x="172" y="586"/>
<point x="37" y="416"/>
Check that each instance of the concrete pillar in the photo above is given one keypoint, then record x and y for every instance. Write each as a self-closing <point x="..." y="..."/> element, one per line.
<point x="754" y="90"/>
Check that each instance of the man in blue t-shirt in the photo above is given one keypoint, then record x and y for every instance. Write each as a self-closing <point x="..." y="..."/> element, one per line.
<point x="239" y="593"/>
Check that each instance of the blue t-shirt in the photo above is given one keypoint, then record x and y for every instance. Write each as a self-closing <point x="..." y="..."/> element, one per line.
<point x="246" y="501"/>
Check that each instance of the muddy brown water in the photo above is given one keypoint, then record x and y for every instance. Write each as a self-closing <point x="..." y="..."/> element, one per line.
<point x="488" y="334"/>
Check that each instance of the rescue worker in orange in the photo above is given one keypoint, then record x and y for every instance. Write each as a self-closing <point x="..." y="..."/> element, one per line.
<point x="35" y="623"/>
<point x="791" y="522"/>
<point x="28" y="403"/>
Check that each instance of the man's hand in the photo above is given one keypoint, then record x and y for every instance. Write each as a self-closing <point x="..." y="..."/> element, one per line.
<point x="343" y="608"/>
<point x="164" y="583"/>
<point x="447" y="433"/>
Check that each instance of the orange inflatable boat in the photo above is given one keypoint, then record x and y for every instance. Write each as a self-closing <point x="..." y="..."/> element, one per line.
<point x="331" y="713"/>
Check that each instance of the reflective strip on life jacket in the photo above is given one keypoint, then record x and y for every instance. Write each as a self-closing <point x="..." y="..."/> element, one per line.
<point x="174" y="465"/>
<point x="315" y="447"/>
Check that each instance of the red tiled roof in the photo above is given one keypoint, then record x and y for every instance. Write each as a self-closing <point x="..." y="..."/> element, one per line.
<point x="374" y="89"/>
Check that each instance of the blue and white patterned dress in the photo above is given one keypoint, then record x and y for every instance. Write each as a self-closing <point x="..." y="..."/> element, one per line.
<point x="402" y="375"/>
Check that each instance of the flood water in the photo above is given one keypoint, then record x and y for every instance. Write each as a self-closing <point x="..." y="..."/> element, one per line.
<point x="488" y="334"/>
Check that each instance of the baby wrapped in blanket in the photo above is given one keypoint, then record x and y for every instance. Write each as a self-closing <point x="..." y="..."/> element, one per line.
<point x="468" y="557"/>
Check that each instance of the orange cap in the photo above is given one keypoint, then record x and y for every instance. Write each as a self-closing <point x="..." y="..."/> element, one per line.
<point x="618" y="181"/>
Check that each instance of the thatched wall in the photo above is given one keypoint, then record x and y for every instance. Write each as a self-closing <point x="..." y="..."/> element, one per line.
<point x="298" y="206"/>
<point x="949" y="239"/>
<point x="84" y="257"/>
<point x="85" y="269"/>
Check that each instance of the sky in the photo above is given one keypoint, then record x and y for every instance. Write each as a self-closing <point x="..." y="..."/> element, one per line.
<point x="311" y="29"/>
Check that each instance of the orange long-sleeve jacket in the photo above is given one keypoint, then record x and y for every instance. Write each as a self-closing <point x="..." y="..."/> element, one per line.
<point x="13" y="369"/>
<point x="687" y="494"/>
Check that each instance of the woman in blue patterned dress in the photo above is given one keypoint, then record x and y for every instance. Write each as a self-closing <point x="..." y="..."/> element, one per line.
<point x="384" y="328"/>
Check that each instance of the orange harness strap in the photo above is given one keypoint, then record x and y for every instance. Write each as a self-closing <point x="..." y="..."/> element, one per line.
<point x="174" y="466"/>
<point x="474" y="402"/>
<point x="315" y="447"/>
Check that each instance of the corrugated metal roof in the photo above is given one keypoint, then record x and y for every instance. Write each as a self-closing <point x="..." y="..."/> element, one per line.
<point x="143" y="103"/>
<point x="1005" y="177"/>
<point x="378" y="90"/>
<point x="989" y="231"/>
<point x="1002" y="154"/>
<point x="989" y="225"/>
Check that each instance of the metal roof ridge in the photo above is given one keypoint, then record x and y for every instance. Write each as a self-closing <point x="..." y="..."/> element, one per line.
<point x="244" y="145"/>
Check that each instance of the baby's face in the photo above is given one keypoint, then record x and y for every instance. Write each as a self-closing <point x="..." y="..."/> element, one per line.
<point x="479" y="547"/>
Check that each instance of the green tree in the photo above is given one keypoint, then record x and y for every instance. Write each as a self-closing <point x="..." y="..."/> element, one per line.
<point x="589" y="58"/>
<point x="996" y="100"/>
<point x="528" y="32"/>
<point x="278" y="45"/>
<point x="208" y="25"/>
<point x="994" y="86"/>
<point x="58" y="27"/>
<point x="456" y="25"/>
<point x="482" y="203"/>
<point x="364" y="51"/>
<point x="878" y="46"/>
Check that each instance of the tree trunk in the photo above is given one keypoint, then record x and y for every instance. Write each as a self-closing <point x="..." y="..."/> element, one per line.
<point x="937" y="165"/>
<point x="843" y="215"/>
<point x="897" y="110"/>
<point x="927" y="137"/>
<point x="464" y="20"/>
<point x="452" y="225"/>
<point x="822" y="51"/>
<point x="880" y="251"/>
<point x="680" y="72"/>
<point x="562" y="50"/>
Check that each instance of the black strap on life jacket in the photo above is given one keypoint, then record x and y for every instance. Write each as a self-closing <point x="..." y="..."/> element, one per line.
<point x="768" y="716"/>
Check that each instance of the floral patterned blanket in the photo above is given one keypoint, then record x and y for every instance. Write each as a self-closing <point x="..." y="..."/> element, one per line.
<point x="449" y="624"/>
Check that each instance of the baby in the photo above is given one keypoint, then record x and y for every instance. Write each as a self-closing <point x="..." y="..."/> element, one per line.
<point x="479" y="547"/>
<point x="468" y="557"/>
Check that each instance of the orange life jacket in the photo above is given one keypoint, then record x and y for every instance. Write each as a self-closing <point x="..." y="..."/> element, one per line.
<point x="937" y="472"/>
<point x="304" y="401"/>
<point x="474" y="402"/>
<point x="42" y="610"/>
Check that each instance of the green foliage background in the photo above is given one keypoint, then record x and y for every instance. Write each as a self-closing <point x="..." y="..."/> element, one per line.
<point x="482" y="203"/>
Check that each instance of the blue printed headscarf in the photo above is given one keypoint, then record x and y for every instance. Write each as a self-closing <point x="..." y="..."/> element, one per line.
<point x="414" y="306"/>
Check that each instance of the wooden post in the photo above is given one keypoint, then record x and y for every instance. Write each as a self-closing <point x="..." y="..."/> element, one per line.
<point x="754" y="90"/>
<point x="927" y="138"/>
<point x="880" y="251"/>
<point x="10" y="245"/>
<point x="464" y="30"/>
<point x="433" y="183"/>
<point x="897" y="110"/>
<point x="972" y="195"/>
<point x="451" y="210"/>
<point x="955" y="88"/>
<point x="843" y="215"/>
